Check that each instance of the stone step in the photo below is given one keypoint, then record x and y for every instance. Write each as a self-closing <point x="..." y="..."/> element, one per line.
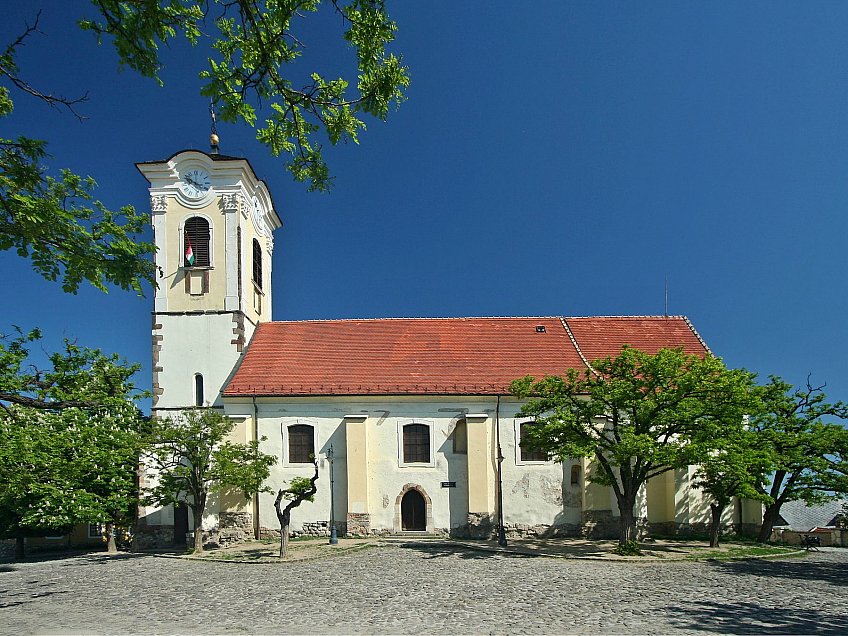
<point x="411" y="534"/>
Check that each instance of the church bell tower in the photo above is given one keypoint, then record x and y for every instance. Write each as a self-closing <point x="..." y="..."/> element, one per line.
<point x="213" y="221"/>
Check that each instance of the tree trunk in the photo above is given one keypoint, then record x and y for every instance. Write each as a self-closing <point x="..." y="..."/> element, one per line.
<point x="111" y="546"/>
<point x="627" y="521"/>
<point x="715" y="524"/>
<point x="769" y="519"/>
<point x="197" y="513"/>
<point x="285" y="522"/>
<point x="20" y="548"/>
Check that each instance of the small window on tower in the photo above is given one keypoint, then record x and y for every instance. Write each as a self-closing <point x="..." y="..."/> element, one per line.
<point x="257" y="264"/>
<point x="196" y="236"/>
<point x="198" y="390"/>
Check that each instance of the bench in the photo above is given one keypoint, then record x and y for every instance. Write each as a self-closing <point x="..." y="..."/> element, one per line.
<point x="810" y="542"/>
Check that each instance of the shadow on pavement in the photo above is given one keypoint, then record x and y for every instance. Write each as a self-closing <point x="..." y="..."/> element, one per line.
<point x="807" y="569"/>
<point x="26" y="598"/>
<point x="750" y="618"/>
<point x="439" y="549"/>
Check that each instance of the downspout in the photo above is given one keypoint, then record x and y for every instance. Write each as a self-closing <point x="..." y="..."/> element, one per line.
<point x="500" y="458"/>
<point x="256" y="496"/>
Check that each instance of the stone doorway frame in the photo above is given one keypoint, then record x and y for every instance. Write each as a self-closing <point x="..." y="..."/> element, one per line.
<point x="428" y="509"/>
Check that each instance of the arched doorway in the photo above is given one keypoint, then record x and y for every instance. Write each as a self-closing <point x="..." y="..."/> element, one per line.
<point x="413" y="512"/>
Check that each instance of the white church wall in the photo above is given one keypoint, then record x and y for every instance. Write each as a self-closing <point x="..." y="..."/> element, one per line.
<point x="192" y="344"/>
<point x="535" y="493"/>
<point x="274" y="418"/>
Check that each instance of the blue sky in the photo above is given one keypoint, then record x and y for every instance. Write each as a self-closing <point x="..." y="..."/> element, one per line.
<point x="554" y="158"/>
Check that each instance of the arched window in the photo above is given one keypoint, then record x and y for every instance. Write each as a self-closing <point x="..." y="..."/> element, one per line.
<point x="198" y="389"/>
<point x="301" y="444"/>
<point x="196" y="236"/>
<point x="416" y="444"/>
<point x="575" y="475"/>
<point x="460" y="437"/>
<point x="526" y="454"/>
<point x="257" y="264"/>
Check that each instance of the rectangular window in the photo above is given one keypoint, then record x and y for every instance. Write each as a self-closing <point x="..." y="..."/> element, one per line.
<point x="301" y="444"/>
<point x="530" y="455"/>
<point x="416" y="444"/>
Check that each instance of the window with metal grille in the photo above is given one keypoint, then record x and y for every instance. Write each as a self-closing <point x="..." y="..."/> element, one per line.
<point x="526" y="454"/>
<point x="416" y="443"/>
<point x="301" y="444"/>
<point x="257" y="264"/>
<point x="196" y="236"/>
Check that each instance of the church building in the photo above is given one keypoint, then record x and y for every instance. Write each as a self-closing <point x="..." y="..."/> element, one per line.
<point x="411" y="419"/>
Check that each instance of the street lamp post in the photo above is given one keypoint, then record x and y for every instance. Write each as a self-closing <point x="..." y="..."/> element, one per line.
<point x="333" y="538"/>
<point x="501" y="531"/>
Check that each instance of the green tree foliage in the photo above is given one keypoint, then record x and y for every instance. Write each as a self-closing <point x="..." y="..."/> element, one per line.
<point x="802" y="445"/>
<point x="56" y="221"/>
<point x="300" y="489"/>
<point x="78" y="377"/>
<point x="191" y="457"/>
<point x="253" y="43"/>
<point x="69" y="439"/>
<point x="636" y="415"/>
<point x="736" y="466"/>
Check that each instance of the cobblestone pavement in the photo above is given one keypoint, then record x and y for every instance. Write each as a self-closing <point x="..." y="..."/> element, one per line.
<point x="435" y="588"/>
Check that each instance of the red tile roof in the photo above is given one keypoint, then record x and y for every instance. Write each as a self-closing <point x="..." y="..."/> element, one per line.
<point x="447" y="356"/>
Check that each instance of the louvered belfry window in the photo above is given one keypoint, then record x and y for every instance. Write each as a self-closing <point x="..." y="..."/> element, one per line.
<point x="301" y="444"/>
<point x="257" y="264"/>
<point x="196" y="230"/>
<point x="416" y="443"/>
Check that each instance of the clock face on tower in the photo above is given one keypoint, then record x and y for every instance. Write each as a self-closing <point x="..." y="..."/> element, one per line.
<point x="195" y="183"/>
<point x="258" y="221"/>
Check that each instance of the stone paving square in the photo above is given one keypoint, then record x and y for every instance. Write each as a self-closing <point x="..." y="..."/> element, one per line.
<point x="437" y="588"/>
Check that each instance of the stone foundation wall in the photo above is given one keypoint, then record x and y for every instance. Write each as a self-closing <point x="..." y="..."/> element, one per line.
<point x="358" y="524"/>
<point x="672" y="529"/>
<point x="7" y="549"/>
<point x="541" y="531"/>
<point x="598" y="524"/>
<point x="147" y="537"/>
<point x="233" y="528"/>
<point x="481" y="525"/>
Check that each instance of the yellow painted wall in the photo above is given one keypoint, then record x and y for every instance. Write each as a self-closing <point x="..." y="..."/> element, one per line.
<point x="481" y="475"/>
<point x="357" y="466"/>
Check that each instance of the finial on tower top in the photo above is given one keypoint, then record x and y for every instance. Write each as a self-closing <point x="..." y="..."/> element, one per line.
<point x="213" y="138"/>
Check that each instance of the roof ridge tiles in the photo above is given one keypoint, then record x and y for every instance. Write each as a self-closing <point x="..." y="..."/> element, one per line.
<point x="564" y="322"/>
<point x="460" y="318"/>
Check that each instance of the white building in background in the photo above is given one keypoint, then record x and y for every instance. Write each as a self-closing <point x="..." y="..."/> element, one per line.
<point x="414" y="410"/>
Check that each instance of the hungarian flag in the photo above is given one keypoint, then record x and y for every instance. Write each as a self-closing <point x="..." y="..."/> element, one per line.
<point x="189" y="255"/>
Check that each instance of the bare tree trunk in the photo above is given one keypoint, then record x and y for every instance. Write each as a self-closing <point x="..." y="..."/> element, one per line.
<point x="20" y="548"/>
<point x="197" y="512"/>
<point x="111" y="547"/>
<point x="285" y="522"/>
<point x="769" y="519"/>
<point x="284" y="514"/>
<point x="715" y="525"/>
